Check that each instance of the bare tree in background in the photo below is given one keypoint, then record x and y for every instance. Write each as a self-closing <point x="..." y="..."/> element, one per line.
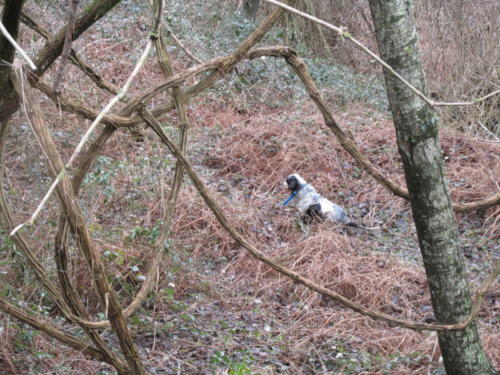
<point x="251" y="8"/>
<point x="417" y="134"/>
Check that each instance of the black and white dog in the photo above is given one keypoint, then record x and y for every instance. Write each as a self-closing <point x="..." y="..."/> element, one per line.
<point x="311" y="204"/>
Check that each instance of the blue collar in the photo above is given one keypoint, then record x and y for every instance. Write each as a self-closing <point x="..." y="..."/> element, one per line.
<point x="294" y="193"/>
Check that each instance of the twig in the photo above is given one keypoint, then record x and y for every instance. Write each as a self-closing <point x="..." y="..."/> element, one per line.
<point x="432" y="355"/>
<point x="489" y="132"/>
<point x="87" y="135"/>
<point x="179" y="43"/>
<point x="58" y="83"/>
<point x="345" y="34"/>
<point x="17" y="46"/>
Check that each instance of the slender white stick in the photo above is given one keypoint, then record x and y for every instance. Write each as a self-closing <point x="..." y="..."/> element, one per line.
<point x="113" y="101"/>
<point x="17" y="46"/>
<point x="345" y="34"/>
<point x="87" y="135"/>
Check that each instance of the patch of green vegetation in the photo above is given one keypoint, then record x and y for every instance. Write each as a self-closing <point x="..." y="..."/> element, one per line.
<point x="396" y="19"/>
<point x="107" y="372"/>
<point x="339" y="356"/>
<point x="105" y="168"/>
<point x="234" y="366"/>
<point x="141" y="232"/>
<point x="23" y="338"/>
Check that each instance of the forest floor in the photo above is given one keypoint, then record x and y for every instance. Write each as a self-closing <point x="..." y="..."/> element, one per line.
<point x="215" y="309"/>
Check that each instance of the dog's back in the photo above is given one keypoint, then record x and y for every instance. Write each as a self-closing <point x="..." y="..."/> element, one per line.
<point x="333" y="212"/>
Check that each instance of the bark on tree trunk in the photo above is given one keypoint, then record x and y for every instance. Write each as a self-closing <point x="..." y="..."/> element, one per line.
<point x="417" y="136"/>
<point x="11" y="18"/>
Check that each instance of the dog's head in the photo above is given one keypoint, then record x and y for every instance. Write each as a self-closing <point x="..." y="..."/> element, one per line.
<point x="294" y="182"/>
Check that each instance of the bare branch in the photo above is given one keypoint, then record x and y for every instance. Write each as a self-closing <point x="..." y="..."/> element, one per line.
<point x="81" y="109"/>
<point x="73" y="56"/>
<point x="72" y="7"/>
<point x="215" y="65"/>
<point x="177" y="41"/>
<point x="74" y="215"/>
<point x="86" y="136"/>
<point x="350" y="146"/>
<point x="42" y="275"/>
<point x="52" y="331"/>
<point x="183" y="123"/>
<point x="53" y="48"/>
<point x="223" y="65"/>
<point x="121" y="120"/>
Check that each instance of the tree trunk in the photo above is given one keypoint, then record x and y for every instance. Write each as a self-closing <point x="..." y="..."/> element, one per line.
<point x="417" y="136"/>
<point x="11" y="17"/>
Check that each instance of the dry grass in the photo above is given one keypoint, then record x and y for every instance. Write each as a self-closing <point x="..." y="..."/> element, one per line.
<point x="331" y="257"/>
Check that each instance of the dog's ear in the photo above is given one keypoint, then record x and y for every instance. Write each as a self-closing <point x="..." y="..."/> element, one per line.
<point x="292" y="182"/>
